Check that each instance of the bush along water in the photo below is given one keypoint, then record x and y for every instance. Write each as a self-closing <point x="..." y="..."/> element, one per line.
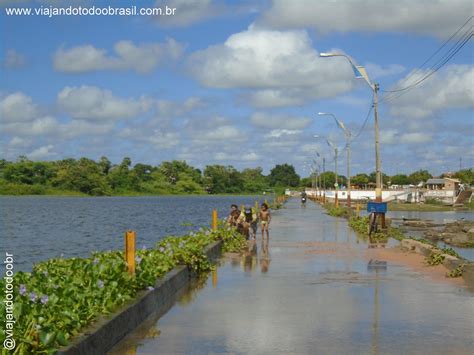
<point x="338" y="211"/>
<point x="54" y="301"/>
<point x="361" y="226"/>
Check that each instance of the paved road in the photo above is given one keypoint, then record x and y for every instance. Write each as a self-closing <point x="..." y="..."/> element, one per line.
<point x="312" y="292"/>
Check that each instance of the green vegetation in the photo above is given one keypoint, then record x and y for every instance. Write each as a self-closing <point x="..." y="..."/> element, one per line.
<point x="61" y="296"/>
<point x="284" y="175"/>
<point x="451" y="251"/>
<point x="435" y="259"/>
<point x="456" y="272"/>
<point x="396" y="233"/>
<point x="433" y="201"/>
<point x="466" y="176"/>
<point x="86" y="177"/>
<point x="359" y="224"/>
<point x="423" y="240"/>
<point x="337" y="211"/>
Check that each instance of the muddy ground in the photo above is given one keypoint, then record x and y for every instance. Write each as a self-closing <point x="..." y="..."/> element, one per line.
<point x="459" y="233"/>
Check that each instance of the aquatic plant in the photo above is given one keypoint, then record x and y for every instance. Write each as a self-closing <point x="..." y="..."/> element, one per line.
<point x="59" y="297"/>
<point x="456" y="272"/>
<point x="434" y="259"/>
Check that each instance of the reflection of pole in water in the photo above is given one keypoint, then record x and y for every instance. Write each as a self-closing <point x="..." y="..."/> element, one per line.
<point x="324" y="231"/>
<point x="265" y="257"/>
<point x="375" y="325"/>
<point x="214" y="278"/>
<point x="337" y="228"/>
<point x="132" y="350"/>
<point x="249" y="257"/>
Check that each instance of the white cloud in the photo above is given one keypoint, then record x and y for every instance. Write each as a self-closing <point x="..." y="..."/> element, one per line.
<point x="93" y="103"/>
<point x="437" y="17"/>
<point x="142" y="58"/>
<point x="244" y="157"/>
<point x="13" y="59"/>
<point x="222" y="133"/>
<point x="17" y="107"/>
<point x="42" y="153"/>
<point x="78" y="128"/>
<point x="312" y="148"/>
<point x="168" y="108"/>
<point x="49" y="126"/>
<point x="260" y="119"/>
<point x="164" y="140"/>
<point x="378" y="71"/>
<point x="389" y="136"/>
<point x="251" y="156"/>
<point x="277" y="133"/>
<point x="448" y="88"/>
<point x="42" y="126"/>
<point x="275" y="98"/>
<point x="187" y="11"/>
<point x="415" y="138"/>
<point x="281" y="64"/>
<point x="18" y="142"/>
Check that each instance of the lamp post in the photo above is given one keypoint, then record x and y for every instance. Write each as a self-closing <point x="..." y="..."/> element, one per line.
<point x="360" y="72"/>
<point x="336" y="185"/>
<point x="323" y="175"/>
<point x="348" y="135"/>
<point x="318" y="176"/>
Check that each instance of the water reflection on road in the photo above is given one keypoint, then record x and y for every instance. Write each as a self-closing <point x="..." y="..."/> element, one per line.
<point x="309" y="290"/>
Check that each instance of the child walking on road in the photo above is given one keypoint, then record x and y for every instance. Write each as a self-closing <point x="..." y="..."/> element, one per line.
<point x="265" y="218"/>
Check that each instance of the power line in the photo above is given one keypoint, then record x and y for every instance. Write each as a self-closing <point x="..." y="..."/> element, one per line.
<point x="452" y="52"/>
<point x="364" y="124"/>
<point x="436" y="52"/>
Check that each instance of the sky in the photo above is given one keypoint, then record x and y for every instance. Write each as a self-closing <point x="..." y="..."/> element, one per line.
<point x="239" y="83"/>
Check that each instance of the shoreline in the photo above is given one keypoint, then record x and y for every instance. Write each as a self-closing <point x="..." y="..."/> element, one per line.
<point x="139" y="195"/>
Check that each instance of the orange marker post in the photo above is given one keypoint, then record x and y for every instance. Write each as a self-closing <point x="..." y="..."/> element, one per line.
<point x="214" y="219"/>
<point x="214" y="278"/>
<point x="130" y="251"/>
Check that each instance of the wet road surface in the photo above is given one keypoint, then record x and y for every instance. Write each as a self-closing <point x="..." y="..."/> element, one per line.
<point x="309" y="290"/>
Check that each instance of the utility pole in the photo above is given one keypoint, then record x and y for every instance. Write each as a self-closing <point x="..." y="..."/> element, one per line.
<point x="324" y="180"/>
<point x="348" y="173"/>
<point x="336" y="185"/>
<point x="378" y="172"/>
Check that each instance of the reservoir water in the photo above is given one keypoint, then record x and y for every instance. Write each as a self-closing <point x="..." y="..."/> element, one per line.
<point x="38" y="228"/>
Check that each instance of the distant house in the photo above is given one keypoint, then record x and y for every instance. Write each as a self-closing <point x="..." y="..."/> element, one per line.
<point x="443" y="184"/>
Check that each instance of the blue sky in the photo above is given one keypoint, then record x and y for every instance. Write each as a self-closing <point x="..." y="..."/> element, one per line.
<point x="237" y="83"/>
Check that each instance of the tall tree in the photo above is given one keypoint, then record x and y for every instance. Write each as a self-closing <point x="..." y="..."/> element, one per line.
<point x="360" y="180"/>
<point x="419" y="176"/>
<point x="466" y="176"/>
<point x="222" y="179"/>
<point x="400" y="179"/>
<point x="284" y="175"/>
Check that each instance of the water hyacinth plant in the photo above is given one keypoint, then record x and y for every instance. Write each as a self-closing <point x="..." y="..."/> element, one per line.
<point x="59" y="297"/>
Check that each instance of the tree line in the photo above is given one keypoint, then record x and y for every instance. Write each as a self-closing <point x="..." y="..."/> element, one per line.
<point x="102" y="178"/>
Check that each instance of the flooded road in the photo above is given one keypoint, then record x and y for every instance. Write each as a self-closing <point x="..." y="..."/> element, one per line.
<point x="310" y="290"/>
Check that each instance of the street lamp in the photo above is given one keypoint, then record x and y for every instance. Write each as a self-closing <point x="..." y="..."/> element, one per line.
<point x="336" y="185"/>
<point x="322" y="176"/>
<point x="348" y="135"/>
<point x="360" y="72"/>
<point x="318" y="176"/>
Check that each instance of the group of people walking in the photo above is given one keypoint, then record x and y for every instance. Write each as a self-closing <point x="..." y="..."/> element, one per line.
<point x="247" y="220"/>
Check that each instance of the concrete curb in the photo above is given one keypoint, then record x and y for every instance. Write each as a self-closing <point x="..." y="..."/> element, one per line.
<point x="450" y="262"/>
<point x="101" y="336"/>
